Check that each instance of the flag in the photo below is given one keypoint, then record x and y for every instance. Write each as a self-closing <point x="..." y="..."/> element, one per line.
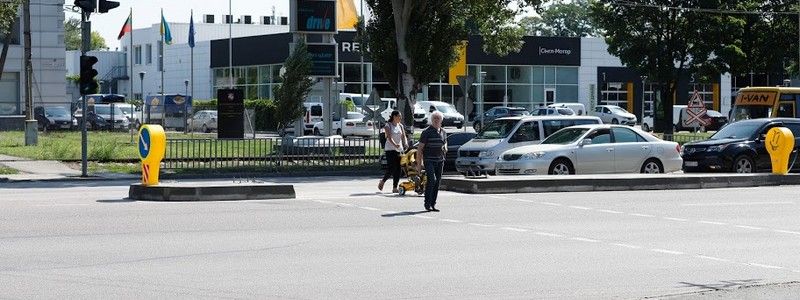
<point x="191" y="30"/>
<point x="127" y="27"/>
<point x="165" y="32"/>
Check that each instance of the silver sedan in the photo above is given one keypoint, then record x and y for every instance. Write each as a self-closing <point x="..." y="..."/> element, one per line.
<point x="593" y="149"/>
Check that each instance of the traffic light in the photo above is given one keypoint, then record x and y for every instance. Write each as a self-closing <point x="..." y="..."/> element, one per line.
<point x="87" y="84"/>
<point x="86" y="5"/>
<point x="103" y="6"/>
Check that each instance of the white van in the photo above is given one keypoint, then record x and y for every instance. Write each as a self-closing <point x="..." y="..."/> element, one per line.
<point x="313" y="115"/>
<point x="451" y="116"/>
<point x="480" y="154"/>
<point x="578" y="108"/>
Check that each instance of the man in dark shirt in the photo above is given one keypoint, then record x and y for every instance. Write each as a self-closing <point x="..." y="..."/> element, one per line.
<point x="431" y="152"/>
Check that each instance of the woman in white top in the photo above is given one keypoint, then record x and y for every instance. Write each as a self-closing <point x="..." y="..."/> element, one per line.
<point x="396" y="143"/>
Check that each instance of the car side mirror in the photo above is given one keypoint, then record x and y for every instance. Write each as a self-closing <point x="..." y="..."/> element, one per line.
<point x="762" y="137"/>
<point x="585" y="142"/>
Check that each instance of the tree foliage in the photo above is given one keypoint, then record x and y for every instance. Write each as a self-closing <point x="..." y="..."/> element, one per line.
<point x="769" y="41"/>
<point x="294" y="87"/>
<point x="566" y="19"/>
<point x="72" y="36"/>
<point x="667" y="44"/>
<point x="8" y="15"/>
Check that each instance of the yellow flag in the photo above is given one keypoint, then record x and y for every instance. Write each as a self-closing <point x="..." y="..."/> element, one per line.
<point x="347" y="15"/>
<point x="459" y="68"/>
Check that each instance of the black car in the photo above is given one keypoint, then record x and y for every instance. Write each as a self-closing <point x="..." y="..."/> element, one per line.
<point x="454" y="141"/>
<point x="499" y="112"/>
<point x="53" y="117"/>
<point x="738" y="147"/>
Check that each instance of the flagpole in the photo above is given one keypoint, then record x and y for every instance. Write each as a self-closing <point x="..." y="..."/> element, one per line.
<point x="130" y="54"/>
<point x="192" y="59"/>
<point x="163" y="48"/>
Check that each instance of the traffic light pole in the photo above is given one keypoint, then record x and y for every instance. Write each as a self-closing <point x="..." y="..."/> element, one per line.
<point x="86" y="34"/>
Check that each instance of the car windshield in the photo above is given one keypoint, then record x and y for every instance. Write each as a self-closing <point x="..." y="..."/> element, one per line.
<point x="565" y="136"/>
<point x="747" y="112"/>
<point x="57" y="112"/>
<point x="737" y="131"/>
<point x="358" y="100"/>
<point x="498" y="129"/>
<point x="127" y="109"/>
<point x="618" y="110"/>
<point x="542" y="112"/>
<point x="106" y="110"/>
<point x="445" y="109"/>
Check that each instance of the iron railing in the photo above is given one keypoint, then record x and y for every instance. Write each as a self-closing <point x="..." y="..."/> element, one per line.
<point x="684" y="138"/>
<point x="273" y="154"/>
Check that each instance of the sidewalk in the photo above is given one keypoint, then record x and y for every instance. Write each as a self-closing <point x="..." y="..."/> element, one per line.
<point x="46" y="170"/>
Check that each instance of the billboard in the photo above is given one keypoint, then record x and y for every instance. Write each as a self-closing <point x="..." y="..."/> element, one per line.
<point x="315" y="16"/>
<point x="324" y="59"/>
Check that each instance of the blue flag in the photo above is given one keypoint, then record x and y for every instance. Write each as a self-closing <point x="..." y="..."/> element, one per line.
<point x="191" y="30"/>
<point x="165" y="32"/>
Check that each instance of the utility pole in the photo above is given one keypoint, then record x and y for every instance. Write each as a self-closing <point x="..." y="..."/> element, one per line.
<point x="31" y="127"/>
<point x="86" y="44"/>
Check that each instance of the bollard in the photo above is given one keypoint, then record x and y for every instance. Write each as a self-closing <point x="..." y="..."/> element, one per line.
<point x="780" y="143"/>
<point x="152" y="143"/>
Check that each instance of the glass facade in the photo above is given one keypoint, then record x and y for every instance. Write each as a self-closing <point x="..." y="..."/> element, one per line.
<point x="10" y="94"/>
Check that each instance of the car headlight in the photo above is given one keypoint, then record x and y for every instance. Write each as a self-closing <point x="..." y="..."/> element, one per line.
<point x="718" y="148"/>
<point x="533" y="155"/>
<point x="489" y="153"/>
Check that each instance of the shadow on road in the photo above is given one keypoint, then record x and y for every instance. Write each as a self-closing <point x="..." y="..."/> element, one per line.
<point x="124" y="200"/>
<point x="404" y="213"/>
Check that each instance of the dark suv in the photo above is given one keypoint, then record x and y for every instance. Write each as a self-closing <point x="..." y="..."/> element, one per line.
<point x="499" y="112"/>
<point x="738" y="147"/>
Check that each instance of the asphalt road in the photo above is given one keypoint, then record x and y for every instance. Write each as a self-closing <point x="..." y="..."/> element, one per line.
<point x="342" y="240"/>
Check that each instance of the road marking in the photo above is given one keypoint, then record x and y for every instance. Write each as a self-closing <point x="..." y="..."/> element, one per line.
<point x="667" y="251"/>
<point x="581" y="239"/>
<point x="391" y="212"/>
<point x="626" y="245"/>
<point x="322" y="201"/>
<point x="749" y="227"/>
<point x="345" y="204"/>
<point x="712" y="222"/>
<point x="764" y="266"/>
<point x="551" y="203"/>
<point x="515" y="229"/>
<point x="368" y="208"/>
<point x="548" y="234"/>
<point x="736" y="203"/>
<point x="520" y="200"/>
<point x="451" y="221"/>
<point x="713" y="258"/>
<point x="481" y="225"/>
<point x="610" y="211"/>
<point x="675" y="219"/>
<point x="642" y="215"/>
<point x="580" y="207"/>
<point x="786" y="231"/>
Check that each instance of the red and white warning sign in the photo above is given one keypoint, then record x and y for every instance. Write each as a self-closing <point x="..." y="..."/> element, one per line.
<point x="695" y="112"/>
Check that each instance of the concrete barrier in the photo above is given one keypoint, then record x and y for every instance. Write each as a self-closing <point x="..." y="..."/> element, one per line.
<point x="616" y="182"/>
<point x="210" y="192"/>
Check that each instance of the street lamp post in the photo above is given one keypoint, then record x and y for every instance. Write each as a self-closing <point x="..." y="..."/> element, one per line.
<point x="644" y="79"/>
<point x="141" y="90"/>
<point x="480" y="105"/>
<point x="186" y="106"/>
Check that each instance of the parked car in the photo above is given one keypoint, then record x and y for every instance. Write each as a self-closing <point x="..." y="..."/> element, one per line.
<point x="204" y="121"/>
<point x="54" y="117"/>
<point x="481" y="153"/>
<point x="451" y="116"/>
<point x="499" y="112"/>
<point x="715" y="119"/>
<point x="420" y="116"/>
<point x="132" y="112"/>
<point x="738" y="147"/>
<point x="454" y="142"/>
<point x="354" y="125"/>
<point x="312" y="116"/>
<point x="578" y="108"/>
<point x="115" y="115"/>
<point x="593" y="149"/>
<point x="612" y="114"/>
<point x="553" y="111"/>
<point x="94" y="122"/>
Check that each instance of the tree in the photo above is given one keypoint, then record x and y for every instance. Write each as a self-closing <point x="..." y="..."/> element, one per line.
<point x="413" y="41"/>
<point x="570" y="19"/>
<point x="72" y="36"/>
<point x="8" y="16"/>
<point x="769" y="41"/>
<point x="668" y="40"/>
<point x="294" y="87"/>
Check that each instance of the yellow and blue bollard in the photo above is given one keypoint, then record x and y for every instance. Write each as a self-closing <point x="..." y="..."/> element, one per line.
<point x="152" y="144"/>
<point x="780" y="143"/>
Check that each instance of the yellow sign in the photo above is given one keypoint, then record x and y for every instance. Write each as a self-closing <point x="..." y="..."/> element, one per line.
<point x="756" y="98"/>
<point x="780" y="143"/>
<point x="459" y="68"/>
<point x="152" y="144"/>
<point x="346" y="15"/>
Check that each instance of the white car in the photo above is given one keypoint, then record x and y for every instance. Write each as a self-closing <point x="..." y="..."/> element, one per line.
<point x="204" y="121"/>
<point x="354" y="125"/>
<point x="593" y="149"/>
<point x="612" y="114"/>
<point x="578" y="108"/>
<point x="451" y="116"/>
<point x="553" y="111"/>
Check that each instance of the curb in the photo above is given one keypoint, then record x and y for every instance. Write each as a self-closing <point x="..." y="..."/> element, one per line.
<point x="231" y="192"/>
<point x="543" y="184"/>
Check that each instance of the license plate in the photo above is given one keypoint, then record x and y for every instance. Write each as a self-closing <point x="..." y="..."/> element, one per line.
<point x="456" y="122"/>
<point x="691" y="164"/>
<point x="65" y="126"/>
<point x="502" y="166"/>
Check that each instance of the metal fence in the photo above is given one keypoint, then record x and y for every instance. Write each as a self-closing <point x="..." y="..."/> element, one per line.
<point x="684" y="138"/>
<point x="273" y="154"/>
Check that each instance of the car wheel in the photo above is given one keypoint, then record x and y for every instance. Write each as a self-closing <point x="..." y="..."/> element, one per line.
<point x="561" y="166"/>
<point x="645" y="127"/>
<point x="476" y="126"/>
<point x="743" y="164"/>
<point x="614" y="121"/>
<point x="205" y="129"/>
<point x="652" y="166"/>
<point x="401" y="191"/>
<point x="317" y="132"/>
<point x="338" y="132"/>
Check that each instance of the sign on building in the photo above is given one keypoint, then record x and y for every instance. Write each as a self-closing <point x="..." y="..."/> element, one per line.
<point x="315" y="16"/>
<point x="323" y="60"/>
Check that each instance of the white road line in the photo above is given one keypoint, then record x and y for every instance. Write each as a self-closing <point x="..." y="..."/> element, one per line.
<point x="736" y="203"/>
<point x="581" y="239"/>
<point x="515" y="229"/>
<point x="667" y="251"/>
<point x="481" y="225"/>
<point x="713" y="258"/>
<point x="390" y="212"/>
<point x="786" y="231"/>
<point x="675" y="219"/>
<point x="451" y="221"/>
<point x="322" y="201"/>
<point x="498" y="197"/>
<point x="344" y="204"/>
<point x="626" y="245"/>
<point x="642" y="215"/>
<point x="368" y="208"/>
<point x="712" y="222"/>
<point x="547" y="234"/>
<point x="522" y="200"/>
<point x="550" y="203"/>
<point x="610" y="211"/>
<point x="764" y="266"/>
<point x="749" y="227"/>
<point x="580" y="207"/>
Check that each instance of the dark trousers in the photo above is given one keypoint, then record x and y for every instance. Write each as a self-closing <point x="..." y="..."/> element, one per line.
<point x="433" y="169"/>
<point x="393" y="167"/>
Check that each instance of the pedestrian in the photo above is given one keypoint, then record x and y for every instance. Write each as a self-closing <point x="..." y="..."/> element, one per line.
<point x="396" y="144"/>
<point x="430" y="153"/>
